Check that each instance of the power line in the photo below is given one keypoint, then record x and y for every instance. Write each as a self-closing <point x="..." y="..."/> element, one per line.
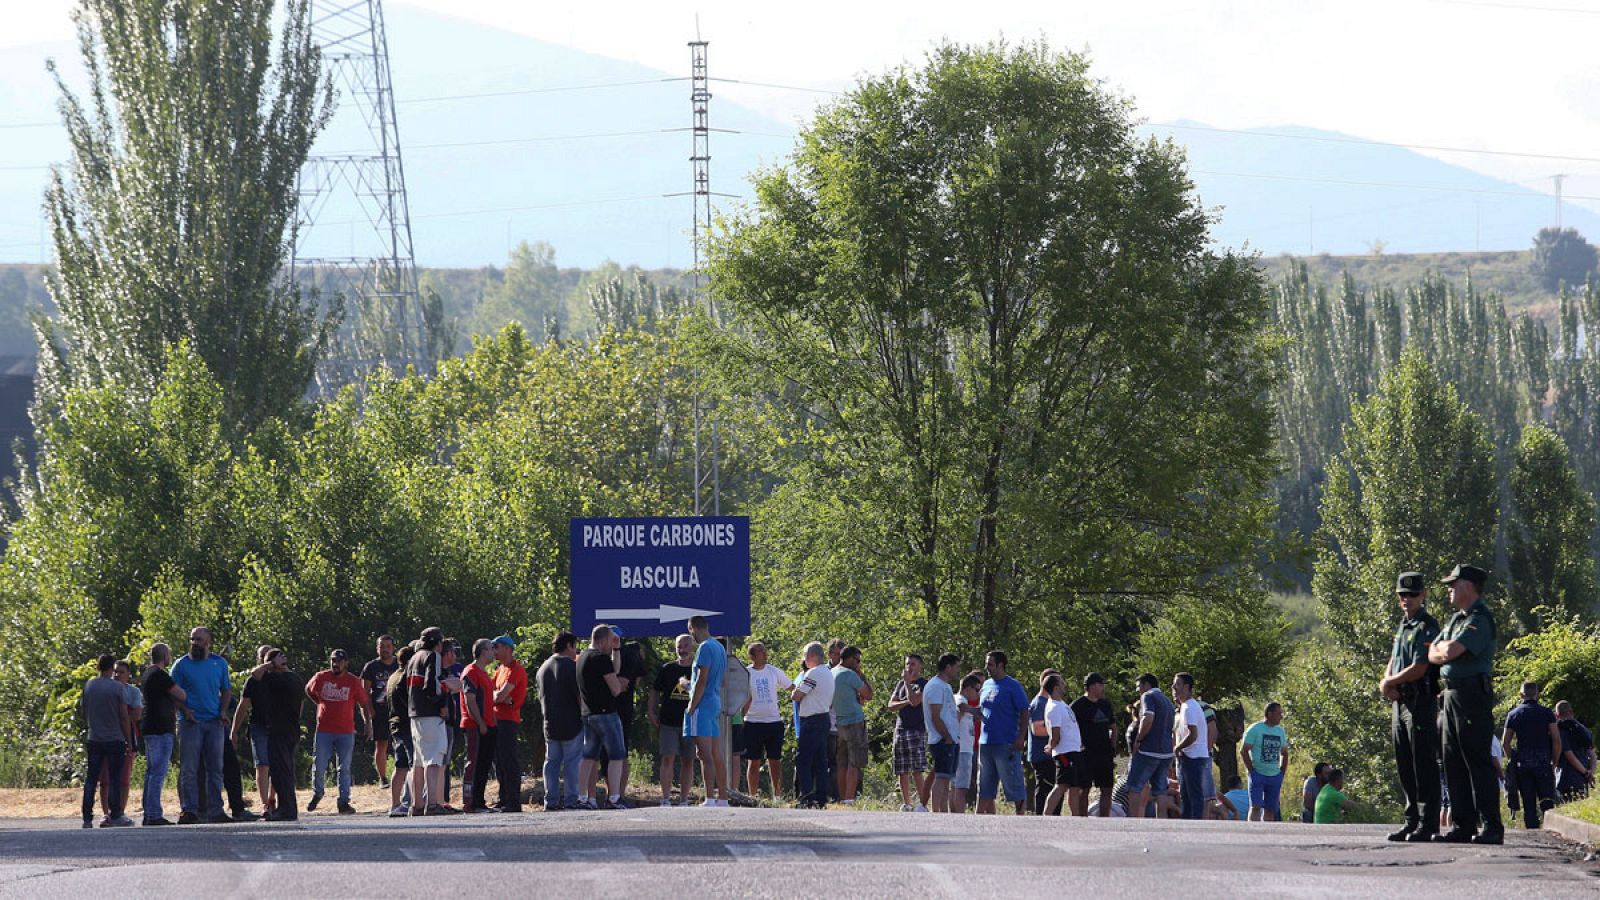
<point x="1521" y="7"/>
<point x="781" y="87"/>
<point x="31" y="125"/>
<point x="1398" y="185"/>
<point x="541" y="90"/>
<point x="1328" y="139"/>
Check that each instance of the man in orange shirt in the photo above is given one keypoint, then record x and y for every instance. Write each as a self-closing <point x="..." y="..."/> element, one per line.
<point x="510" y="688"/>
<point x="478" y="723"/>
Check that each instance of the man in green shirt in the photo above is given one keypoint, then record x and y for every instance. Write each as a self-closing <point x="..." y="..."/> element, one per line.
<point x="1331" y="800"/>
<point x="849" y="692"/>
<point x="1409" y="684"/>
<point x="1265" y="754"/>
<point x="1464" y="654"/>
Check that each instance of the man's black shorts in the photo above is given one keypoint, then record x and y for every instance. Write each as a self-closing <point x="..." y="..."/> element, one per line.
<point x="380" y="722"/>
<point x="763" y="740"/>
<point x="1091" y="770"/>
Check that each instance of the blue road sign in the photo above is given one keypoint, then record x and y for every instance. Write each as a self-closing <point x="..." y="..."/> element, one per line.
<point x="649" y="575"/>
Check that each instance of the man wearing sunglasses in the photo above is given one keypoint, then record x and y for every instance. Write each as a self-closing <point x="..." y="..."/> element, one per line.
<point x="1410" y="684"/>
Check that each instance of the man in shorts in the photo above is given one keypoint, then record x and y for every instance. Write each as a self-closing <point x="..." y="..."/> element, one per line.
<point x="763" y="725"/>
<point x="375" y="676"/>
<point x="1063" y="745"/>
<point x="1266" y="754"/>
<point x="1004" y="736"/>
<point x="702" y="718"/>
<point x="669" y="697"/>
<point x="850" y="691"/>
<point x="250" y="717"/>
<point x="1097" y="727"/>
<point x="942" y="724"/>
<point x="910" y="747"/>
<point x="428" y="692"/>
<point x="1151" y="749"/>
<point x="398" y="694"/>
<point x="599" y="684"/>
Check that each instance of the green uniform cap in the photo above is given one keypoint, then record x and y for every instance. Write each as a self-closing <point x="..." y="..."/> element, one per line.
<point x="1467" y="573"/>
<point x="1411" y="583"/>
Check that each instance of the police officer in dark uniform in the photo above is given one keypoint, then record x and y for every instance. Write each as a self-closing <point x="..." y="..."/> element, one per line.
<point x="1464" y="653"/>
<point x="1410" y="684"/>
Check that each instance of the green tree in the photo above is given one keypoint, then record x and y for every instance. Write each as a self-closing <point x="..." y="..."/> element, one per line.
<point x="1564" y="657"/>
<point x="530" y="293"/>
<point x="1003" y="374"/>
<point x="170" y="222"/>
<point x="1414" y="489"/>
<point x="1551" y="525"/>
<point x="1562" y="257"/>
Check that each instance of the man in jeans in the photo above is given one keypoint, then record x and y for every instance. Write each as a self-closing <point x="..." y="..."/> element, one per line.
<point x="337" y="693"/>
<point x="105" y="710"/>
<point x="563" y="722"/>
<point x="1150" y="752"/>
<point x="161" y="696"/>
<point x="510" y="691"/>
<point x="203" y="676"/>
<point x="1194" y="756"/>
<point x="813" y="697"/>
<point x="1005" y="728"/>
<point x="599" y="684"/>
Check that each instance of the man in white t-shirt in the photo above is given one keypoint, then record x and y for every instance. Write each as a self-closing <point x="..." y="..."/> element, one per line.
<point x="1189" y="740"/>
<point x="968" y="705"/>
<point x="1063" y="743"/>
<point x="763" y="726"/>
<point x="813" y="696"/>
<point x="942" y="719"/>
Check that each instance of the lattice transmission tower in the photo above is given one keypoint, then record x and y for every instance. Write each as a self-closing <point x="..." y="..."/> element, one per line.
<point x="707" y="436"/>
<point x="353" y="235"/>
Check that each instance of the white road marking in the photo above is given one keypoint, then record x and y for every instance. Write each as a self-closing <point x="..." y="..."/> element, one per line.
<point x="442" y="854"/>
<point x="275" y="855"/>
<point x="942" y="879"/>
<point x="607" y="855"/>
<point x="769" y="852"/>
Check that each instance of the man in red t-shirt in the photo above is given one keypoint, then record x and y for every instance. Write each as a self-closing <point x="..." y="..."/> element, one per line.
<point x="477" y="723"/>
<point x="337" y="693"/>
<point x="510" y="689"/>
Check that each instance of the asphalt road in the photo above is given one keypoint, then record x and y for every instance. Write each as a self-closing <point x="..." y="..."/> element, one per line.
<point x="677" y="853"/>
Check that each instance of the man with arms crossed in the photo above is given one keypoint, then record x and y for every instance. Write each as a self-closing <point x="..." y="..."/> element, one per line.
<point x="1097" y="725"/>
<point x="910" y="745"/>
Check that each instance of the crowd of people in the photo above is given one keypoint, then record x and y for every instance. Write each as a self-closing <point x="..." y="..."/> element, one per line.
<point x="959" y="738"/>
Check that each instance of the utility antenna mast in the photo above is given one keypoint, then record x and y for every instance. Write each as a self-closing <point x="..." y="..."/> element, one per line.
<point x="1559" y="181"/>
<point x="355" y="200"/>
<point x="707" y="439"/>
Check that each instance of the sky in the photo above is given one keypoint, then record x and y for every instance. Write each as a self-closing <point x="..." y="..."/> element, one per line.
<point x="1509" y="75"/>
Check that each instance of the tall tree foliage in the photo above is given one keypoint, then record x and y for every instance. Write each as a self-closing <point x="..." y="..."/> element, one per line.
<point x="1551" y="524"/>
<point x="171" y="220"/>
<point x="1010" y="387"/>
<point x="1413" y="489"/>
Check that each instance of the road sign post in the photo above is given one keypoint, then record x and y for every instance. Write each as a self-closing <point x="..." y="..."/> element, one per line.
<point x="650" y="574"/>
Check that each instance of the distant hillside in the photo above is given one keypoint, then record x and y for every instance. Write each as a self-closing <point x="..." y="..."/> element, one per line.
<point x="1505" y="273"/>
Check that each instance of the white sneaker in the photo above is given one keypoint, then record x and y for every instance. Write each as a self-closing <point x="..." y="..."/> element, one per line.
<point x="710" y="804"/>
<point x="905" y="807"/>
<point x="920" y="808"/>
<point x="850" y="802"/>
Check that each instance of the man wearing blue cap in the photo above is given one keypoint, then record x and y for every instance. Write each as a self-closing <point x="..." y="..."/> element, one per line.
<point x="1464" y="654"/>
<point x="510" y="689"/>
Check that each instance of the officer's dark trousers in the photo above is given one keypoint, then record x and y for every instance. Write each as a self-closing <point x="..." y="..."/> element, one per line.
<point x="1414" y="727"/>
<point x="1535" y="784"/>
<point x="1468" y="767"/>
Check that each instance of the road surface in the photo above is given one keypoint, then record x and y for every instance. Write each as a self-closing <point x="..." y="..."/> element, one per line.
<point x="677" y="853"/>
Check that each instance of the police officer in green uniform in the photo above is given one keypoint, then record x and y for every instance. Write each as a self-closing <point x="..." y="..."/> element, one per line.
<point x="1410" y="684"/>
<point x="1464" y="653"/>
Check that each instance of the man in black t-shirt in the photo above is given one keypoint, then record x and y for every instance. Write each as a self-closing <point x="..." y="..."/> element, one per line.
<point x="669" y="697"/>
<point x="1097" y="726"/>
<point x="161" y="696"/>
<point x="557" y="682"/>
<point x="250" y="716"/>
<point x="600" y="685"/>
<point x="282" y="694"/>
<point x="1575" y="775"/>
<point x="375" y="677"/>
<point x="629" y="660"/>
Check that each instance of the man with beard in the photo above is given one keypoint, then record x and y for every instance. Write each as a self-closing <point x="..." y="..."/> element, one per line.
<point x="204" y="678"/>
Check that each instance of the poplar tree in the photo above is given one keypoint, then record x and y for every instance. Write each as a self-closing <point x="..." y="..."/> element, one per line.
<point x="174" y="216"/>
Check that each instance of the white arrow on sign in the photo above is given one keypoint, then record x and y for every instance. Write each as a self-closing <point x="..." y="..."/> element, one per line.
<point x="662" y="613"/>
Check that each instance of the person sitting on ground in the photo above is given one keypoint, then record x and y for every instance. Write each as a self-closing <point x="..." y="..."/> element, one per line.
<point x="1310" y="789"/>
<point x="1332" y="803"/>
<point x="1238" y="798"/>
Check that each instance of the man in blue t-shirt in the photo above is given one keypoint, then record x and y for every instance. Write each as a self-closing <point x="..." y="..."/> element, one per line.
<point x="204" y="678"/>
<point x="702" y="720"/>
<point x="1531" y="727"/>
<point x="1151" y="752"/>
<point x="1005" y="725"/>
<point x="1042" y="763"/>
